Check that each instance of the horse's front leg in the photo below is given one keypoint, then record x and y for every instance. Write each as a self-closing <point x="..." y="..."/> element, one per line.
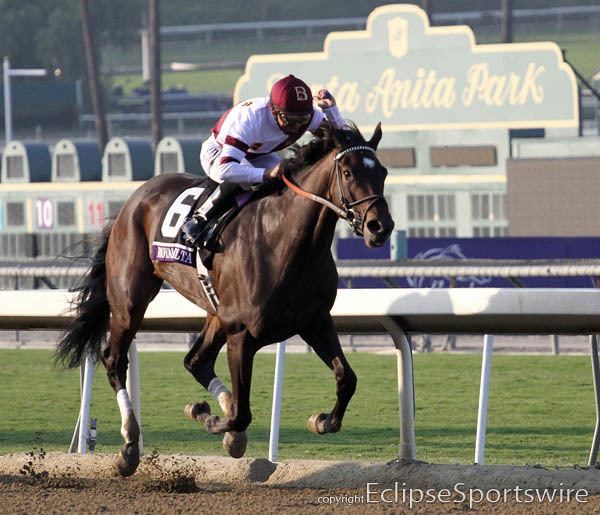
<point x="200" y="362"/>
<point x="241" y="348"/>
<point x="324" y="340"/>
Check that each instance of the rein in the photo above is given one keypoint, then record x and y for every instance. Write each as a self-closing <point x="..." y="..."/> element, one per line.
<point x="346" y="212"/>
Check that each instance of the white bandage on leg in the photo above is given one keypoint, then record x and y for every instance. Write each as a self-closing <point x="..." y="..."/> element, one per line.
<point x="221" y="394"/>
<point x="124" y="402"/>
<point x="126" y="410"/>
<point x="216" y="388"/>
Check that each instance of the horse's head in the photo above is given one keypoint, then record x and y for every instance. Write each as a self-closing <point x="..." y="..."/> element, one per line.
<point x="360" y="179"/>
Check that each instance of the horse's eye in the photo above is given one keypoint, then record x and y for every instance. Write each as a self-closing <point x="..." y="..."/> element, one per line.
<point x="347" y="173"/>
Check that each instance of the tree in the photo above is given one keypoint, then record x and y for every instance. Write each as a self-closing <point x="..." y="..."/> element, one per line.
<point x="55" y="43"/>
<point x="507" y="21"/>
<point x="43" y="34"/>
<point x="92" y="67"/>
<point x="155" y="70"/>
<point x="19" y="22"/>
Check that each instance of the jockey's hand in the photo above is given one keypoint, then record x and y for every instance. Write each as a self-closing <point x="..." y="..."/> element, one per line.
<point x="272" y="173"/>
<point x="324" y="99"/>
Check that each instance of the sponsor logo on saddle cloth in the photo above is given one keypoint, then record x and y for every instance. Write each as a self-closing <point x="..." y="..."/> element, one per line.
<point x="172" y="252"/>
<point x="169" y="245"/>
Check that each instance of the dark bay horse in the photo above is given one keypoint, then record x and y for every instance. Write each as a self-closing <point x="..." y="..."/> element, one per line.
<point x="276" y="278"/>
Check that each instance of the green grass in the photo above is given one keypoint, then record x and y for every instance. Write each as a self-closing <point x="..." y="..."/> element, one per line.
<point x="581" y="48"/>
<point x="209" y="81"/>
<point x="197" y="50"/>
<point x="541" y="408"/>
<point x="213" y="81"/>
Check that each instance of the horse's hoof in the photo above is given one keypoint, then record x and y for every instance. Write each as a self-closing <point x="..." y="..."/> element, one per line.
<point x="194" y="409"/>
<point x="235" y="442"/>
<point x="128" y="459"/>
<point x="318" y="424"/>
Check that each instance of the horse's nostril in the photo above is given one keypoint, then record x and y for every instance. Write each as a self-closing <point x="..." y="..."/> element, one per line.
<point x="374" y="226"/>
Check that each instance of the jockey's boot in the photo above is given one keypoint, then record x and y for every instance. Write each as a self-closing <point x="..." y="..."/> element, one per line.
<point x="219" y="201"/>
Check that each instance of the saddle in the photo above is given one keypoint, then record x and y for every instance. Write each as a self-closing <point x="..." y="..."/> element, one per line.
<point x="211" y="236"/>
<point x="214" y="228"/>
<point x="169" y="244"/>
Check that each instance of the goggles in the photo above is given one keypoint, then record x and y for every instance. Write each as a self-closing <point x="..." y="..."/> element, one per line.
<point x="294" y="119"/>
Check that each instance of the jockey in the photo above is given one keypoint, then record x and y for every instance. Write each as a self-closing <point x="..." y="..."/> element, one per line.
<point x="241" y="151"/>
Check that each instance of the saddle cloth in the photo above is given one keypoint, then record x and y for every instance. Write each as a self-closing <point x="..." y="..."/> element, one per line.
<point x="169" y="245"/>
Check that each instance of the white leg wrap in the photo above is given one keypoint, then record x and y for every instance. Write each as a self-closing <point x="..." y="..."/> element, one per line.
<point x="221" y="394"/>
<point x="126" y="411"/>
<point x="216" y="387"/>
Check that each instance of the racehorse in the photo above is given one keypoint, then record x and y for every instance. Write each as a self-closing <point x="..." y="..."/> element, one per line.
<point x="275" y="278"/>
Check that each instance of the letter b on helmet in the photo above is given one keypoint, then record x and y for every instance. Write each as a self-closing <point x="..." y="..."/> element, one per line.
<point x="291" y="95"/>
<point x="300" y="93"/>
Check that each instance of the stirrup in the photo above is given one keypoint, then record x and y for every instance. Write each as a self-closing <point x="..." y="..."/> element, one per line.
<point x="193" y="231"/>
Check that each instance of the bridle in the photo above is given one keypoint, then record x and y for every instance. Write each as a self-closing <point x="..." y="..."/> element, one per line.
<point x="346" y="211"/>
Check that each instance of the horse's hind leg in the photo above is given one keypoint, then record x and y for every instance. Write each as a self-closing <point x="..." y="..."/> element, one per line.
<point x="324" y="340"/>
<point x="200" y="362"/>
<point x="131" y="285"/>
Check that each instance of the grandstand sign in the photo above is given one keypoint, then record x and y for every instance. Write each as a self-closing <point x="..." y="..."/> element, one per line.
<point x="415" y="77"/>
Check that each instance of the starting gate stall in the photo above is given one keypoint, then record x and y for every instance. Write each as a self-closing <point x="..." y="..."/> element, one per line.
<point x="24" y="205"/>
<point x="125" y="162"/>
<point x="76" y="161"/>
<point x="178" y="155"/>
<point x="127" y="159"/>
<point x="26" y="162"/>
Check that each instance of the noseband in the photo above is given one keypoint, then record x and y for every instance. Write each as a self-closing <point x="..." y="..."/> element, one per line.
<point x="346" y="211"/>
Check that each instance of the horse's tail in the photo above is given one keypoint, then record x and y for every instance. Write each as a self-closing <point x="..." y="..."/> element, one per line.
<point x="92" y="313"/>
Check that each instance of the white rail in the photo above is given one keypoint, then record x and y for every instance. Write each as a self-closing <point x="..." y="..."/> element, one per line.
<point x="381" y="268"/>
<point x="395" y="311"/>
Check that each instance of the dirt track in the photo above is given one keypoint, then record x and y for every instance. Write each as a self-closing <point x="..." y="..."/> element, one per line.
<point x="59" y="483"/>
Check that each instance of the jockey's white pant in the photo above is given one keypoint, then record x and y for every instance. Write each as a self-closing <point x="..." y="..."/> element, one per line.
<point x="211" y="151"/>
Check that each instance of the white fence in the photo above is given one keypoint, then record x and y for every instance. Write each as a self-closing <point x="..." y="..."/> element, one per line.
<point x="487" y="311"/>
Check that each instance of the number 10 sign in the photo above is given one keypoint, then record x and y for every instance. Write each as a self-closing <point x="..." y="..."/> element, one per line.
<point x="44" y="213"/>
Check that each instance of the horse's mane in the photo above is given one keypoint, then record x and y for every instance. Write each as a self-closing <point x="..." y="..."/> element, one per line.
<point x="327" y="138"/>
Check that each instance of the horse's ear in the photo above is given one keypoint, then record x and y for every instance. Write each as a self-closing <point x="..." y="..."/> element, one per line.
<point x="376" y="138"/>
